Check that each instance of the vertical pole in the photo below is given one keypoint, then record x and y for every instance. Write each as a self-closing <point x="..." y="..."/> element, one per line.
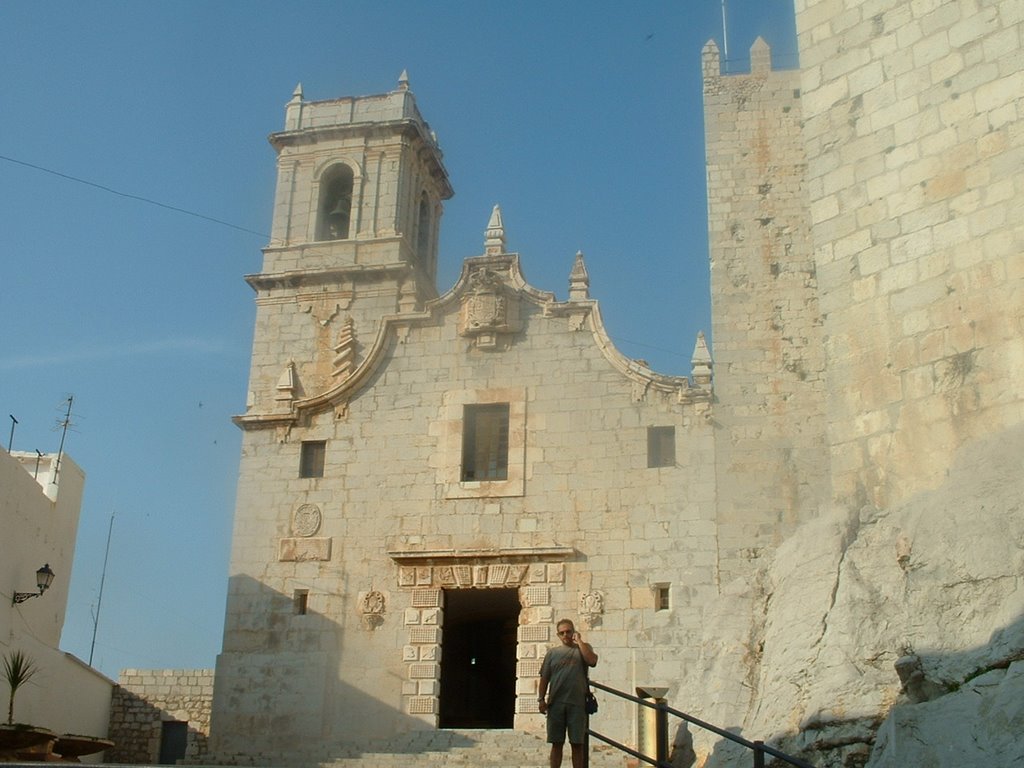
<point x="99" y="601"/>
<point x="39" y="457"/>
<point x="10" y="441"/>
<point x="758" y="754"/>
<point x="586" y="745"/>
<point x="661" y="727"/>
<point x="725" y="37"/>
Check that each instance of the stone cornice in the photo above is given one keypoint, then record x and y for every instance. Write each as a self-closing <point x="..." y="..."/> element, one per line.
<point x="315" y="277"/>
<point x="470" y="556"/>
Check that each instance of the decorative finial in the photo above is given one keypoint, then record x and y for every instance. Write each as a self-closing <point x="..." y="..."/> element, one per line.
<point x="579" y="279"/>
<point x="297" y="93"/>
<point x="403" y="80"/>
<point x="701" y="362"/>
<point x="494" y="236"/>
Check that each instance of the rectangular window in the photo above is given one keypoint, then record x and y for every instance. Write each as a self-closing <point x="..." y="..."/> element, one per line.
<point x="661" y="446"/>
<point x="485" y="442"/>
<point x="311" y="462"/>
<point x="300" y="599"/>
<point x="661" y="597"/>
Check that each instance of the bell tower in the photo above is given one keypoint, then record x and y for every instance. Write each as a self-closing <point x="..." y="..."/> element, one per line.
<point x="357" y="208"/>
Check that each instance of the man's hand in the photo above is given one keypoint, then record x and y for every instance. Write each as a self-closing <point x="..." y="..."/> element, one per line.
<point x="542" y="707"/>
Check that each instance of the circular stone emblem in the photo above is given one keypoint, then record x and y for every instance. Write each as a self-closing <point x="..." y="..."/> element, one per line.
<point x="306" y="520"/>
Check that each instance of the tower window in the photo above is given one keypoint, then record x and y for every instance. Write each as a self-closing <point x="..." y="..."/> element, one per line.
<point x="485" y="442"/>
<point x="311" y="460"/>
<point x="423" y="232"/>
<point x="661" y="446"/>
<point x="335" y="212"/>
<point x="300" y="601"/>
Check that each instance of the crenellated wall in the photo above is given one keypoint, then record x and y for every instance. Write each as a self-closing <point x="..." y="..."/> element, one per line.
<point x="766" y="323"/>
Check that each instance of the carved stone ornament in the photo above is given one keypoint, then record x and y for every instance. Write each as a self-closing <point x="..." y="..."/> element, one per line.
<point x="487" y="311"/>
<point x="306" y="520"/>
<point x="371" y="609"/>
<point x="591" y="607"/>
<point x="373" y="603"/>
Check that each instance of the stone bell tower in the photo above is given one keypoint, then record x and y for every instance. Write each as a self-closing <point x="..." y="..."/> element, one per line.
<point x="360" y="185"/>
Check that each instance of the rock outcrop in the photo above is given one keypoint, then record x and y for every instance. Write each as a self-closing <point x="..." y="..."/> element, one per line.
<point x="885" y="637"/>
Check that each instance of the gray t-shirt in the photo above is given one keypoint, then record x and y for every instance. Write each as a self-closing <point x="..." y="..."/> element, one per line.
<point x="566" y="672"/>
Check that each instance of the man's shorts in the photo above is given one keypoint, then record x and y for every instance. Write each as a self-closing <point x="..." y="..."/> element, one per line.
<point x="562" y="717"/>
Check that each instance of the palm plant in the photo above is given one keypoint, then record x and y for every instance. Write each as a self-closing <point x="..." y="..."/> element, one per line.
<point x="18" y="670"/>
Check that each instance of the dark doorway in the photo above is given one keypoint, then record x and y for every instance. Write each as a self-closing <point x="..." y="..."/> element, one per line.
<point x="173" y="741"/>
<point x="478" y="658"/>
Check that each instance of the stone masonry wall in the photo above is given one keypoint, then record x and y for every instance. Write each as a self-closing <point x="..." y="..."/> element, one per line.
<point x="144" y="699"/>
<point x="769" y="360"/>
<point x="915" y="149"/>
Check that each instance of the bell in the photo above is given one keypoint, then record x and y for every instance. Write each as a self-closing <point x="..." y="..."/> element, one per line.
<point x="338" y="218"/>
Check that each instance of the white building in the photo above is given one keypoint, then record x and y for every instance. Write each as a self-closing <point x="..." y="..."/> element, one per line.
<point x="39" y="509"/>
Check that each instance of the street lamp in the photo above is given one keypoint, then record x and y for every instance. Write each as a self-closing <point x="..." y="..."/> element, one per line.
<point x="44" y="578"/>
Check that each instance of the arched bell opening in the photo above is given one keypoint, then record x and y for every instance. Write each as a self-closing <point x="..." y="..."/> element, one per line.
<point x="335" y="209"/>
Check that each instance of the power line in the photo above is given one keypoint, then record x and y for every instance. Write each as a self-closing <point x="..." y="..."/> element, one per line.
<point x="141" y="199"/>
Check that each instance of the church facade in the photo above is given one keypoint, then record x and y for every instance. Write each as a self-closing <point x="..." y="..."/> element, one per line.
<point x="429" y="482"/>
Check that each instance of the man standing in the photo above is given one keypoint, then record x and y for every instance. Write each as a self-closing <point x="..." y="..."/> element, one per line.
<point x="563" y="691"/>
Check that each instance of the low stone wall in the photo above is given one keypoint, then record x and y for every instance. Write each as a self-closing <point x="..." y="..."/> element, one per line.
<point x="145" y="699"/>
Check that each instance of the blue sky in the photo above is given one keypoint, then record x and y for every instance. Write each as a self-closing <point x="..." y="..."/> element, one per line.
<point x="581" y="119"/>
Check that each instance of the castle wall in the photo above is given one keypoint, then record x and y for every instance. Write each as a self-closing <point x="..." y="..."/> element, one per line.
<point x="766" y="322"/>
<point x="145" y="699"/>
<point x="915" y="176"/>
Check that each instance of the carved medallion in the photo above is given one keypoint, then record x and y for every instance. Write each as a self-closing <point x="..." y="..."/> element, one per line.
<point x="306" y="520"/>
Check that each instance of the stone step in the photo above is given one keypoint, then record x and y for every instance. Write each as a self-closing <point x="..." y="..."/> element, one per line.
<point x="449" y="748"/>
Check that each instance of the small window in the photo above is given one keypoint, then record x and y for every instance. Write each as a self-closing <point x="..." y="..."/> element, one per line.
<point x="423" y="231"/>
<point x="300" y="600"/>
<point x="485" y="442"/>
<point x="311" y="463"/>
<point x="661" y="597"/>
<point x="661" y="446"/>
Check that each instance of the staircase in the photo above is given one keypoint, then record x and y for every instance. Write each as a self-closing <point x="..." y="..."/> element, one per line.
<point x="448" y="749"/>
<point x="472" y="748"/>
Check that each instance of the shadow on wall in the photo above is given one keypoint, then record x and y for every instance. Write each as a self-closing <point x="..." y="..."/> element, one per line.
<point x="953" y="710"/>
<point x="278" y="694"/>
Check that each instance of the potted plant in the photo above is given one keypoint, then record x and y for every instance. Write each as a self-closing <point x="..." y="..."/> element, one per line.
<point x="18" y="669"/>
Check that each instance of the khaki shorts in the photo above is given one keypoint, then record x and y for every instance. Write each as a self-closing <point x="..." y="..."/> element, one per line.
<point x="564" y="717"/>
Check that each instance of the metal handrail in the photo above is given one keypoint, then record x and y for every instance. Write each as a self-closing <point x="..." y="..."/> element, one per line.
<point x="759" y="748"/>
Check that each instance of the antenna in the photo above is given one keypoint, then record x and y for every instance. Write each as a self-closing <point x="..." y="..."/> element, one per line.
<point x="64" y="424"/>
<point x="725" y="36"/>
<point x="99" y="600"/>
<point x="10" y="442"/>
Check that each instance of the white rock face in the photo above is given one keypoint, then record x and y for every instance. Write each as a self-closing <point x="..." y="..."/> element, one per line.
<point x="938" y="578"/>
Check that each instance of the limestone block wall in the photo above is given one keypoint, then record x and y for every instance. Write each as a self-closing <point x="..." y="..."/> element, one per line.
<point x="915" y="177"/>
<point x="582" y="528"/>
<point x="766" y="322"/>
<point x="145" y="699"/>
